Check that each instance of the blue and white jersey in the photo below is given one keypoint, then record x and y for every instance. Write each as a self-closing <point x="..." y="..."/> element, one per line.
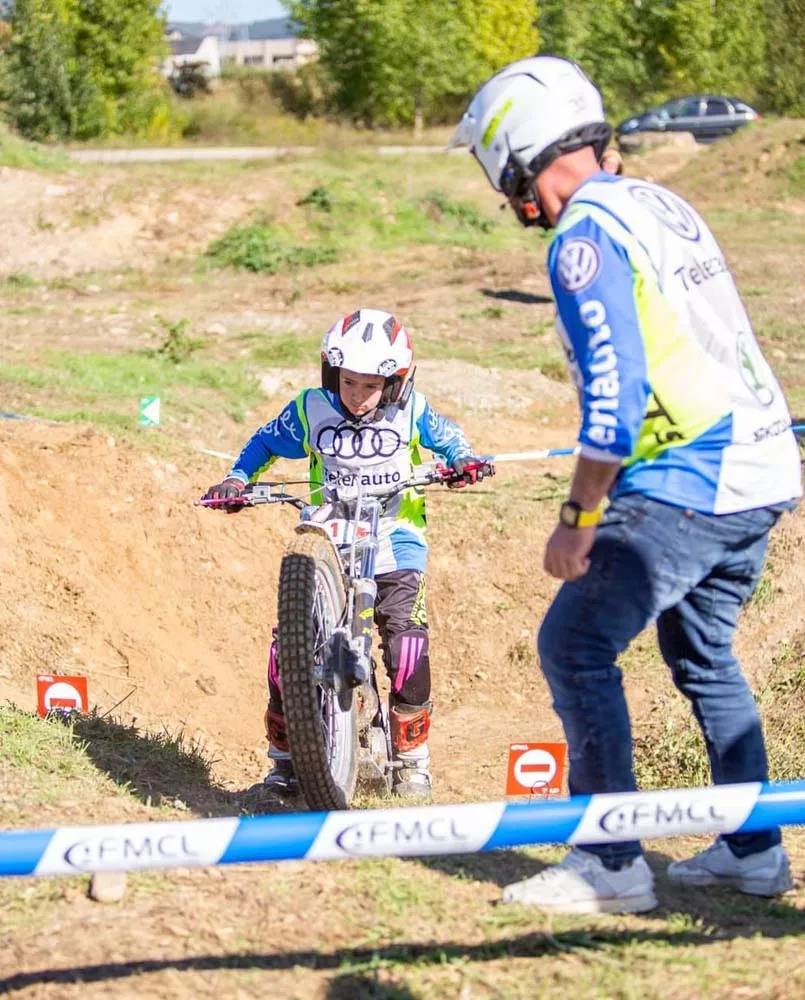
<point x="344" y="453"/>
<point x="672" y="384"/>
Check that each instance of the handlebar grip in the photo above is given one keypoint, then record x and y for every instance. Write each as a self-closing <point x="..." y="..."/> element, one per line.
<point x="244" y="500"/>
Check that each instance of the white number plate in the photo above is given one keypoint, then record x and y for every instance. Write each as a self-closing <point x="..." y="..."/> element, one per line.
<point x="342" y="532"/>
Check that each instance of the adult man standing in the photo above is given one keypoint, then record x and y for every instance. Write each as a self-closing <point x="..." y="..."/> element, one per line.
<point x="684" y="428"/>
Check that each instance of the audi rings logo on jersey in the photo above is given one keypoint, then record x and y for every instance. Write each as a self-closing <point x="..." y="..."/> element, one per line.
<point x="335" y="357"/>
<point x="670" y="210"/>
<point x="345" y="441"/>
<point x="578" y="264"/>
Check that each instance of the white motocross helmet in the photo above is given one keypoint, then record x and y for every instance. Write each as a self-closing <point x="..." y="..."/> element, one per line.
<point x="524" y="117"/>
<point x="371" y="342"/>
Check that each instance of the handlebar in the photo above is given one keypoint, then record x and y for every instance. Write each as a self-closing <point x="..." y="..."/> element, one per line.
<point x="258" y="494"/>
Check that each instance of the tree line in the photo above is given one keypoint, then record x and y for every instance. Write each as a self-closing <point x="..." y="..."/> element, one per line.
<point x="395" y="61"/>
<point x="82" y="69"/>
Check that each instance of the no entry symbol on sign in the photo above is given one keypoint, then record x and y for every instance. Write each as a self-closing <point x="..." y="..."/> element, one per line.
<point x="61" y="694"/>
<point x="536" y="768"/>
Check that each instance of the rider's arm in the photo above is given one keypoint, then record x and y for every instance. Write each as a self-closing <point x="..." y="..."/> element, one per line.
<point x="441" y="435"/>
<point x="593" y="283"/>
<point x="282" y="437"/>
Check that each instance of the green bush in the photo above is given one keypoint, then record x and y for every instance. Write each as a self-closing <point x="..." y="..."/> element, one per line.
<point x="260" y="247"/>
<point x="176" y="345"/>
<point x="318" y="197"/>
<point x="300" y="92"/>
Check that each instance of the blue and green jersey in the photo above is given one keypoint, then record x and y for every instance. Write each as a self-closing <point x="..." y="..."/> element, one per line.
<point x="672" y="384"/>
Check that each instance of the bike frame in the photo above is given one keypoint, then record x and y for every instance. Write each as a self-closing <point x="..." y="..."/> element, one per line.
<point x="359" y="563"/>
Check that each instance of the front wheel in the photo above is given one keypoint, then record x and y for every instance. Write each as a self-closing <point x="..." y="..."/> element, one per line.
<point x="323" y="736"/>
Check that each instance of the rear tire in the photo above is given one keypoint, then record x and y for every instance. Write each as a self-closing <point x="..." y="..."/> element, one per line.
<point x="323" y="738"/>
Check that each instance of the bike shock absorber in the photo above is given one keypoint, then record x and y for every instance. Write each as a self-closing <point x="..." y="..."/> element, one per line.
<point x="363" y="617"/>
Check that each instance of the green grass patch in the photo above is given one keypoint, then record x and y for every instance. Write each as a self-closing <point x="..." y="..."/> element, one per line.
<point x="261" y="247"/>
<point x="34" y="744"/>
<point x="284" y="350"/>
<point x="16" y="152"/>
<point x="156" y="766"/>
<point x="17" y="280"/>
<point x="670" y="752"/>
<point x="377" y="205"/>
<point x="796" y="176"/>
<point x="516" y="354"/>
<point x="106" y="388"/>
<point x="128" y="373"/>
<point x="764" y="592"/>
<point x="439" y="206"/>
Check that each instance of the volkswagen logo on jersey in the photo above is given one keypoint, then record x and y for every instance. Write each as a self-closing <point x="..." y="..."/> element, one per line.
<point x="750" y="361"/>
<point x="578" y="264"/>
<point x="670" y="210"/>
<point x="369" y="441"/>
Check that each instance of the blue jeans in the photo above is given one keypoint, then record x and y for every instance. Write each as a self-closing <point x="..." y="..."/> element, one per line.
<point x="691" y="573"/>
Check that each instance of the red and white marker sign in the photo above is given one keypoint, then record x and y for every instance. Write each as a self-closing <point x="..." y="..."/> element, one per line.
<point x="61" y="694"/>
<point x="536" y="768"/>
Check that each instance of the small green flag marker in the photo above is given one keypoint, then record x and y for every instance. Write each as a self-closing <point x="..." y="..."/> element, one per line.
<point x="149" y="411"/>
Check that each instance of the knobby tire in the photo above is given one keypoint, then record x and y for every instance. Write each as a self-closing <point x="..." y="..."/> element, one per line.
<point x="310" y="563"/>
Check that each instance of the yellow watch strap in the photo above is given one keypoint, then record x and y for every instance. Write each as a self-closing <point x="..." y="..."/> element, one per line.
<point x="588" y="518"/>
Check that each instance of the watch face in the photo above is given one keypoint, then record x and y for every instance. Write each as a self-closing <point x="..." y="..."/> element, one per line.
<point x="569" y="514"/>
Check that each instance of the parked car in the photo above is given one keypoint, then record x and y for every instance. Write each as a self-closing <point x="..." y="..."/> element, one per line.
<point x="707" y="116"/>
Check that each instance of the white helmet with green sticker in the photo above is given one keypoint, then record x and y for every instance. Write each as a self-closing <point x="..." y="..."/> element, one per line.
<point x="528" y="114"/>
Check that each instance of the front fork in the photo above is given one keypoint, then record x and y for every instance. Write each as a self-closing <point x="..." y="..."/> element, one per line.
<point x="353" y="659"/>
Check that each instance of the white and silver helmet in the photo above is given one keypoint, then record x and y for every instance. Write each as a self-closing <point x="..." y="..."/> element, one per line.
<point x="527" y="115"/>
<point x="370" y="342"/>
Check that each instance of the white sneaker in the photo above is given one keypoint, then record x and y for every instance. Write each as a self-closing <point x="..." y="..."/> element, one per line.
<point x="766" y="873"/>
<point x="581" y="884"/>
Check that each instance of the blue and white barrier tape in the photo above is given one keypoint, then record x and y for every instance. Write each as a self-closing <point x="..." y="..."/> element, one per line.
<point x="426" y="830"/>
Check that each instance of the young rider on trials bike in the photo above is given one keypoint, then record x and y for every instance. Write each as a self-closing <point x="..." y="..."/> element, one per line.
<point x="363" y="428"/>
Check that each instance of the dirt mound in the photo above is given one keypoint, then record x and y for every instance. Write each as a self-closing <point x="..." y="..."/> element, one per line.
<point x="658" y="141"/>
<point x="108" y="570"/>
<point x="71" y="223"/>
<point x="762" y="164"/>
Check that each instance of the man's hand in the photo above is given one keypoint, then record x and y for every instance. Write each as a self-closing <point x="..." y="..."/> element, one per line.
<point x="567" y="551"/>
<point x="229" y="489"/>
<point x="471" y="470"/>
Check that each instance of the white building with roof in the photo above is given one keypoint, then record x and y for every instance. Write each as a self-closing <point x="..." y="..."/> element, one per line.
<point x="271" y="44"/>
<point x="204" y="52"/>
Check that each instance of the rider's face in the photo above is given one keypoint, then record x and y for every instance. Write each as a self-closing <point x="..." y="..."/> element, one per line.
<point x="360" y="394"/>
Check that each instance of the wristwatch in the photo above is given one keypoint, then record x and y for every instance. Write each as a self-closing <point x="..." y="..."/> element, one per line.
<point x="572" y="515"/>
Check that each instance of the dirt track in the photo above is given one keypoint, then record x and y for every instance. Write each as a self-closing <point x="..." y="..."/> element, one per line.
<point x="111" y="571"/>
<point x="107" y="568"/>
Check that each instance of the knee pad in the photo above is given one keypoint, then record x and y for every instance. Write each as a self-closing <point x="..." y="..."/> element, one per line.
<point x="410" y="725"/>
<point x="410" y="662"/>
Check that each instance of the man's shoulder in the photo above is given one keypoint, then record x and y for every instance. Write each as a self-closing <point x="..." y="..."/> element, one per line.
<point x="634" y="205"/>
